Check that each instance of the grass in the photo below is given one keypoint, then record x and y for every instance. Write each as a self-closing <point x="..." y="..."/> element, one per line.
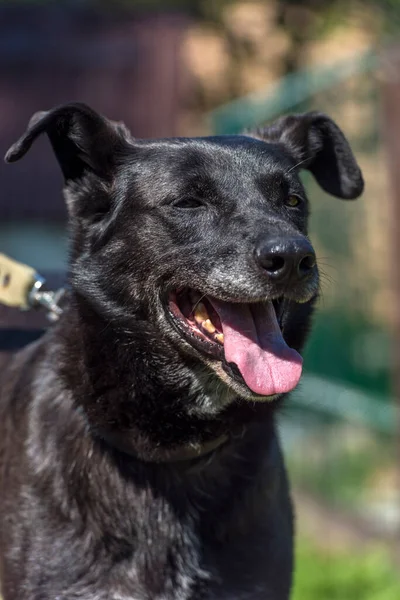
<point x="322" y="575"/>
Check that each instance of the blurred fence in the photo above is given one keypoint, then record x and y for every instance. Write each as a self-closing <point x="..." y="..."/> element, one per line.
<point x="125" y="65"/>
<point x="341" y="427"/>
<point x="53" y="54"/>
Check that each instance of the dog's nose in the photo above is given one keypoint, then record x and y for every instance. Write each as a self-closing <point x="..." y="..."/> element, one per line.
<point x="290" y="259"/>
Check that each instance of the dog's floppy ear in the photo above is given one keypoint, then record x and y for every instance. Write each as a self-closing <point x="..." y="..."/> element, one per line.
<point x="82" y="140"/>
<point x="316" y="143"/>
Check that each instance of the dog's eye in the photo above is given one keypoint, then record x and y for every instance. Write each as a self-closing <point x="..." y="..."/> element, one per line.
<point x="188" y="203"/>
<point x="293" y="201"/>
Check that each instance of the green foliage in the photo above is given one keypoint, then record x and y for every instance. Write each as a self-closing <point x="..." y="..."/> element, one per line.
<point x="340" y="360"/>
<point x="341" y="474"/>
<point x="343" y="576"/>
<point x="390" y="11"/>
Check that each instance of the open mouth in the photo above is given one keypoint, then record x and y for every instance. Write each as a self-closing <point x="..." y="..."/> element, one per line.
<point x="246" y="338"/>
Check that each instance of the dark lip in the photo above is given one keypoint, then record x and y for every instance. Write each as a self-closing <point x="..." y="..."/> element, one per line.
<point x="232" y="370"/>
<point x="210" y="349"/>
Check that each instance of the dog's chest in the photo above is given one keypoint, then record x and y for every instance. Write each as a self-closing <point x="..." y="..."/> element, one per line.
<point x="161" y="561"/>
<point x="171" y="562"/>
<point x="166" y="566"/>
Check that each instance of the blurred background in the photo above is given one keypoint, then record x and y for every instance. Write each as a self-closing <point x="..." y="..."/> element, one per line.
<point x="195" y="67"/>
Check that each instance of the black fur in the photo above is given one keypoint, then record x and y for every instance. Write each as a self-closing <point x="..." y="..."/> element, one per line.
<point x="89" y="506"/>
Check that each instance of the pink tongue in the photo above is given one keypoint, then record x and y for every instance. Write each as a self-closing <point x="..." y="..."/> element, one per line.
<point x="254" y="342"/>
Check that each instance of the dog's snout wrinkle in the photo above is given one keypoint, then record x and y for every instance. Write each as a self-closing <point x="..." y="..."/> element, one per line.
<point x="287" y="260"/>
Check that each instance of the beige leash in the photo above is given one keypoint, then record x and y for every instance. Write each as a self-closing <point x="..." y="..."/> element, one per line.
<point x="21" y="287"/>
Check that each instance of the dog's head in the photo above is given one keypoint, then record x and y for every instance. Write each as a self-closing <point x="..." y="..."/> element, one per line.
<point x="201" y="243"/>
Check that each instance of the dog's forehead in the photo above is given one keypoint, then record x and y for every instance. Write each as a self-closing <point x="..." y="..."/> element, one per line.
<point x="241" y="151"/>
<point x="214" y="157"/>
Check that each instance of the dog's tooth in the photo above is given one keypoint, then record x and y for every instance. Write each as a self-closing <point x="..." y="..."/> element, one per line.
<point x="208" y="326"/>
<point x="219" y="337"/>
<point x="200" y="313"/>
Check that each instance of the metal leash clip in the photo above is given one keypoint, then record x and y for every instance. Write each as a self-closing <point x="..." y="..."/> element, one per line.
<point x="21" y="287"/>
<point x="43" y="298"/>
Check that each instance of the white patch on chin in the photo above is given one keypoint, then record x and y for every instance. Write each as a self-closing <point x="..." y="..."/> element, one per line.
<point x="212" y="395"/>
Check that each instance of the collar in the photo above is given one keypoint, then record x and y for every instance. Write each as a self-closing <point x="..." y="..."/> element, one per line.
<point x="185" y="452"/>
<point x="193" y="451"/>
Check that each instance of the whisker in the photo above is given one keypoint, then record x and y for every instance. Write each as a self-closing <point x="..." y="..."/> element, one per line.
<point x="324" y="277"/>
<point x="329" y="278"/>
<point x="324" y="262"/>
<point x="298" y="164"/>
<point x="197" y="303"/>
<point x="321" y="297"/>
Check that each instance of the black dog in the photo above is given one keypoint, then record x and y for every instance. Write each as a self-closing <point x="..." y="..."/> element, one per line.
<point x="139" y="459"/>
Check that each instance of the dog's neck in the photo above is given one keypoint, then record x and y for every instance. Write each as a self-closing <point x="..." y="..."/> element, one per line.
<point x="139" y="395"/>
